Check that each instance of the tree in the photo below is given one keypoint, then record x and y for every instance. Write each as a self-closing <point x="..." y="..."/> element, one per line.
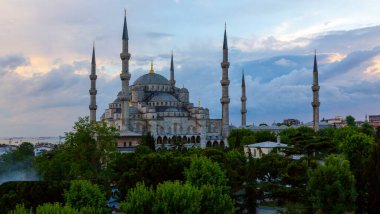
<point x="139" y="200"/>
<point x="331" y="186"/>
<point x="350" y="120"/>
<point x="203" y="171"/>
<point x="373" y="176"/>
<point x="367" y="129"/>
<point x="264" y="135"/>
<point x="214" y="201"/>
<point x="85" y="153"/>
<point x="148" y="140"/>
<point x="83" y="193"/>
<point x="236" y="136"/>
<point x="172" y="197"/>
<point x="357" y="148"/>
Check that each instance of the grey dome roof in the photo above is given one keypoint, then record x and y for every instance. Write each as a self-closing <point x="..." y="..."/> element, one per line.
<point x="151" y="79"/>
<point x="183" y="90"/>
<point x="163" y="97"/>
<point x="117" y="100"/>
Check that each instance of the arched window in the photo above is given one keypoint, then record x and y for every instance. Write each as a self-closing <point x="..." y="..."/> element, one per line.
<point x="208" y="144"/>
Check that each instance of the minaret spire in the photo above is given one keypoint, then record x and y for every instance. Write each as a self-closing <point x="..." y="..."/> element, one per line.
<point x="225" y="82"/>
<point x="172" y="81"/>
<point x="243" y="102"/>
<point x="315" y="89"/>
<point x="125" y="76"/>
<point x="92" y="90"/>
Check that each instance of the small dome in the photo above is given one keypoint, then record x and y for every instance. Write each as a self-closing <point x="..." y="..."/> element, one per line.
<point x="151" y="79"/>
<point x="183" y="90"/>
<point x="163" y="97"/>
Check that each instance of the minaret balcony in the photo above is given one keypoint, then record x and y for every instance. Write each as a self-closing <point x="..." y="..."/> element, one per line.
<point x="243" y="111"/>
<point x="225" y="100"/>
<point x="93" y="91"/>
<point x="315" y="104"/>
<point x="93" y="77"/>
<point x="125" y="56"/>
<point x="225" y="64"/>
<point x="125" y="76"/>
<point x="93" y="107"/>
<point x="225" y="82"/>
<point x="315" y="87"/>
<point x="243" y="99"/>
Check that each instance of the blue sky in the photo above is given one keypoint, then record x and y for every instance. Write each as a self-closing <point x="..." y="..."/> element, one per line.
<point x="46" y="51"/>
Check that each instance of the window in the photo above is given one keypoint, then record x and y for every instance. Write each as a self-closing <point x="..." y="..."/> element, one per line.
<point x="130" y="143"/>
<point x="125" y="144"/>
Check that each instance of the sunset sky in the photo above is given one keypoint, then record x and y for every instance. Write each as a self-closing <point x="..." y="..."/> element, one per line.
<point x="46" y="50"/>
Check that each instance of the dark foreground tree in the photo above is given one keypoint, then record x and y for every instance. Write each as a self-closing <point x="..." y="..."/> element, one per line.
<point x="373" y="176"/>
<point x="331" y="186"/>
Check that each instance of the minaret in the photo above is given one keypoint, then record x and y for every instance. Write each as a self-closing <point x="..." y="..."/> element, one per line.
<point x="243" y="102"/>
<point x="315" y="89"/>
<point x="93" y="91"/>
<point x="225" y="100"/>
<point x="172" y="81"/>
<point x="125" y="76"/>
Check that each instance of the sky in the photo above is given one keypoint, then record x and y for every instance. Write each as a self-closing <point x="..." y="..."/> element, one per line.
<point x="46" y="50"/>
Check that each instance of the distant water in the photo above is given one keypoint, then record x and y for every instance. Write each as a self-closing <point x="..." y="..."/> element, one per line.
<point x="32" y="140"/>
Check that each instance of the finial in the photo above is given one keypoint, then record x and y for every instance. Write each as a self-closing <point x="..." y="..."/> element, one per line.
<point x="130" y="103"/>
<point x="93" y="44"/>
<point x="225" y="25"/>
<point x="125" y="12"/>
<point x="151" y="68"/>
<point x="199" y="102"/>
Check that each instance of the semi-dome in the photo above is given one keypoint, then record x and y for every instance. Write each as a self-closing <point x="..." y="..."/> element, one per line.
<point x="163" y="97"/>
<point x="151" y="79"/>
<point x="183" y="90"/>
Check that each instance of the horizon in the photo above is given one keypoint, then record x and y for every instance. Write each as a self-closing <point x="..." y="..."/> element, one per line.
<point x="44" y="73"/>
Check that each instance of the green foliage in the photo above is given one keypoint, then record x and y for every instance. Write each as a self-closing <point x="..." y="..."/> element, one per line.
<point x="85" y="154"/>
<point x="203" y="171"/>
<point x="148" y="140"/>
<point x="367" y="129"/>
<point x="29" y="193"/>
<point x="350" y="120"/>
<point x="236" y="136"/>
<point x="265" y="135"/>
<point x="172" y="197"/>
<point x="139" y="200"/>
<point x="331" y="186"/>
<point x="57" y="208"/>
<point x="83" y="193"/>
<point x="373" y="177"/>
<point x="215" y="201"/>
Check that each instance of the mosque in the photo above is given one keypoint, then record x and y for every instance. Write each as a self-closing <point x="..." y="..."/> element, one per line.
<point x="156" y="105"/>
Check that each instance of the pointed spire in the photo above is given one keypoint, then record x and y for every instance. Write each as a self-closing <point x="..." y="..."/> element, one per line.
<point x="171" y="63"/>
<point x="242" y="80"/>
<point x="315" y="61"/>
<point x="225" y="46"/>
<point x="151" y="68"/>
<point x="125" y="29"/>
<point x="93" y="54"/>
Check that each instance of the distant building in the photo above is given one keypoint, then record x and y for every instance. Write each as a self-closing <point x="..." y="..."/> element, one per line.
<point x="291" y="122"/>
<point x="273" y="128"/>
<point x="337" y="121"/>
<point x="374" y="120"/>
<point x="257" y="150"/>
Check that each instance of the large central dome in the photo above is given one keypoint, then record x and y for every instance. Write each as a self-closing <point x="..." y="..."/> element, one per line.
<point x="151" y="79"/>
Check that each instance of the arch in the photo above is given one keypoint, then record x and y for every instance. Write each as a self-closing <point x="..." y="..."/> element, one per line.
<point x="215" y="143"/>
<point x="193" y="139"/>
<point x="184" y="139"/>
<point x="254" y="152"/>
<point x="179" y="139"/>
<point x="222" y="144"/>
<point x="208" y="144"/>
<point x="165" y="140"/>
<point x="198" y="139"/>
<point x="159" y="140"/>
